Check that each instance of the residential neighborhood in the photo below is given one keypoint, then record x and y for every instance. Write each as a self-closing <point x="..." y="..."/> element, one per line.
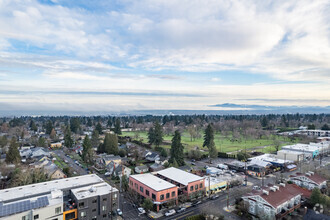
<point x="273" y="184"/>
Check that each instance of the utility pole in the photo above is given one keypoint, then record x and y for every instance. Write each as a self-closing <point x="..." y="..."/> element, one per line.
<point x="209" y="185"/>
<point x="227" y="194"/>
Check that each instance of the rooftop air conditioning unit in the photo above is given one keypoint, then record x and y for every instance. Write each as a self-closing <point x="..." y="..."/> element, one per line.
<point x="265" y="192"/>
<point x="312" y="173"/>
<point x="282" y="184"/>
<point x="308" y="174"/>
<point x="273" y="189"/>
<point x="276" y="187"/>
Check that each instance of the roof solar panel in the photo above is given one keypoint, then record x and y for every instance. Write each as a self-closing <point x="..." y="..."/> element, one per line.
<point x="13" y="208"/>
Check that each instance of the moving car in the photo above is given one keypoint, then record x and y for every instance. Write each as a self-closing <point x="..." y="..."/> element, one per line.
<point x="196" y="203"/>
<point x="170" y="212"/>
<point x="182" y="209"/>
<point x="141" y="210"/>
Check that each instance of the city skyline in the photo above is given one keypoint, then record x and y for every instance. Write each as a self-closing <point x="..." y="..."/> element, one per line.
<point x="99" y="56"/>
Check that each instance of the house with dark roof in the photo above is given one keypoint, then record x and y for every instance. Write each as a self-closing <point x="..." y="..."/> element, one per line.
<point x="152" y="156"/>
<point x="309" y="180"/>
<point x="275" y="201"/>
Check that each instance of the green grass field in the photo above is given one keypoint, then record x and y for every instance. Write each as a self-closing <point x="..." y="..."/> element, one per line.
<point x="223" y="144"/>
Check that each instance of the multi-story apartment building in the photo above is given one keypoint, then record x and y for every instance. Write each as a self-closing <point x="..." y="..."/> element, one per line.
<point x="84" y="197"/>
<point x="309" y="180"/>
<point x="275" y="201"/>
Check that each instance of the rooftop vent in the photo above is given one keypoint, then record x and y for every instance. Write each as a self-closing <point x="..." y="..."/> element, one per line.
<point x="311" y="172"/>
<point x="276" y="187"/>
<point x="273" y="189"/>
<point x="92" y="189"/>
<point x="308" y="174"/>
<point x="282" y="184"/>
<point x="265" y="192"/>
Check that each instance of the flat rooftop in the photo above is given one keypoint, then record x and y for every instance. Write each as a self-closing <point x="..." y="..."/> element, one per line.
<point x="21" y="192"/>
<point x="302" y="147"/>
<point x="179" y="176"/>
<point x="152" y="181"/>
<point x="271" y="158"/>
<point x="93" y="190"/>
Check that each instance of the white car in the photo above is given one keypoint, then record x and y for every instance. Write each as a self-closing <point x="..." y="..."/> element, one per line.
<point x="170" y="212"/>
<point x="107" y="174"/>
<point x="141" y="210"/>
<point x="119" y="212"/>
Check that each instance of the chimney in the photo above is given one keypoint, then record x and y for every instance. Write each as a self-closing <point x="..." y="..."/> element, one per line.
<point x="265" y="192"/>
<point x="282" y="184"/>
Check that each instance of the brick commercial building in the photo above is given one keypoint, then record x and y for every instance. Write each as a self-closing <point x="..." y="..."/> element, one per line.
<point x="84" y="197"/>
<point x="188" y="184"/>
<point x="153" y="187"/>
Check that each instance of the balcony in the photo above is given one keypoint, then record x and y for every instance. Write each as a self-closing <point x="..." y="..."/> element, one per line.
<point x="284" y="213"/>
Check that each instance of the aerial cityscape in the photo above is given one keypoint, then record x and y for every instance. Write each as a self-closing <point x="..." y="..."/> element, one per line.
<point x="186" y="110"/>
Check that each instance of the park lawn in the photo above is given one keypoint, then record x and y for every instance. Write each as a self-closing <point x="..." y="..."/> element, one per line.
<point x="223" y="144"/>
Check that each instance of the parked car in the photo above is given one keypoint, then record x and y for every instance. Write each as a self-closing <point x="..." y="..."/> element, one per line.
<point x="170" y="212"/>
<point x="141" y="210"/>
<point x="206" y="166"/>
<point x="192" y="163"/>
<point x="182" y="209"/>
<point x="196" y="203"/>
<point x="222" y="166"/>
<point x="107" y="174"/>
<point x="193" y="160"/>
<point x="119" y="212"/>
<point x="214" y="197"/>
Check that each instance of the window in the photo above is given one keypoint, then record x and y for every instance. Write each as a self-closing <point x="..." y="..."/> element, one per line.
<point x="82" y="204"/>
<point x="104" y="215"/>
<point x="94" y="201"/>
<point x="173" y="194"/>
<point x="196" y="186"/>
<point x="147" y="192"/>
<point x="104" y="208"/>
<point x="153" y="196"/>
<point x="167" y="195"/>
<point x="104" y="199"/>
<point x="191" y="188"/>
<point x="141" y="189"/>
<point x="136" y="185"/>
<point x="94" y="210"/>
<point x="83" y="214"/>
<point x="162" y="197"/>
<point x="36" y="217"/>
<point x="115" y="195"/>
<point x="94" y="218"/>
<point x="201" y="185"/>
<point x="131" y="182"/>
<point x="58" y="210"/>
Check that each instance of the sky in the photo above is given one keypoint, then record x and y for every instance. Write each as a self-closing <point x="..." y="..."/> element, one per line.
<point x="96" y="55"/>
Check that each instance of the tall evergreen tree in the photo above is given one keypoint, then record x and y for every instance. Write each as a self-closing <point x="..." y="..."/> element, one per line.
<point x="49" y="127"/>
<point x="74" y="124"/>
<point x="110" y="144"/>
<point x="87" y="154"/>
<point x="109" y="123"/>
<point x="213" y="153"/>
<point x="95" y="139"/>
<point x="208" y="135"/>
<point x="177" y="149"/>
<point x="68" y="142"/>
<point x="89" y="122"/>
<point x="99" y="128"/>
<point x="151" y="135"/>
<point x="13" y="155"/>
<point x="33" y="126"/>
<point x="158" y="134"/>
<point x="117" y="126"/>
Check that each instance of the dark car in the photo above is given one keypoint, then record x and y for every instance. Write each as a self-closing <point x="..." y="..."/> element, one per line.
<point x="214" y="197"/>
<point x="182" y="209"/>
<point x="196" y="203"/>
